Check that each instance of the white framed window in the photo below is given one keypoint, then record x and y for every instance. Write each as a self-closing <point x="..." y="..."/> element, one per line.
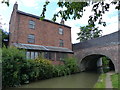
<point x="28" y="55"/>
<point x="31" y="38"/>
<point x="36" y="55"/>
<point x="60" y="30"/>
<point x="32" y="55"/>
<point x="61" y="43"/>
<point x="31" y="24"/>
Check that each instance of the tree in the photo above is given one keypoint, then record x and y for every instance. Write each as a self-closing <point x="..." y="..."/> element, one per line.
<point x="6" y="2"/>
<point x="4" y="36"/>
<point x="88" y="32"/>
<point x="75" y="10"/>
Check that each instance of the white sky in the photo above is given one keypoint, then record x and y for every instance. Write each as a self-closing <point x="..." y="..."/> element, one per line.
<point x="35" y="7"/>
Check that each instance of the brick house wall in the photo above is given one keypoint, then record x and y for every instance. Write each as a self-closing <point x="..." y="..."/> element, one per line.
<point x="45" y="32"/>
<point x="46" y="35"/>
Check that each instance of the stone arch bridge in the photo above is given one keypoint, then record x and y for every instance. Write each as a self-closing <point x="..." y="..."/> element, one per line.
<point x="88" y="52"/>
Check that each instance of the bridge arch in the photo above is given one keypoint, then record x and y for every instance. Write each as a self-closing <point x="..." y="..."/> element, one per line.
<point x="108" y="45"/>
<point x="93" y="62"/>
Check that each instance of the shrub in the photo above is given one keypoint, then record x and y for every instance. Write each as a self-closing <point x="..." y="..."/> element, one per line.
<point x="18" y="70"/>
<point x="71" y="63"/>
<point x="105" y="61"/>
<point x="0" y="55"/>
<point x="45" y="68"/>
<point x="12" y="59"/>
<point x="61" y="70"/>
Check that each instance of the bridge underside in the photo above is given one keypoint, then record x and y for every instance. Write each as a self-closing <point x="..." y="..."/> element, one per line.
<point x="89" y="63"/>
<point x="94" y="63"/>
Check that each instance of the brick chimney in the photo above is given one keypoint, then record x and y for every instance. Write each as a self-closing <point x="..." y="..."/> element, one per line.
<point x="15" y="7"/>
<point x="62" y="22"/>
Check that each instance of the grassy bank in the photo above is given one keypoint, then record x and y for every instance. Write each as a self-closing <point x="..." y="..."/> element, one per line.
<point x="115" y="80"/>
<point x="101" y="81"/>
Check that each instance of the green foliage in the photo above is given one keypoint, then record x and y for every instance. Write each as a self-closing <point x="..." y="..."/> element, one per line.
<point x="42" y="16"/>
<point x="18" y="70"/>
<point x="115" y="80"/>
<point x="12" y="59"/>
<point x="105" y="62"/>
<point x="45" y="68"/>
<point x="5" y="35"/>
<point x="69" y="67"/>
<point x="61" y="70"/>
<point x="0" y="55"/>
<point x="71" y="63"/>
<point x="75" y="10"/>
<point x="88" y="32"/>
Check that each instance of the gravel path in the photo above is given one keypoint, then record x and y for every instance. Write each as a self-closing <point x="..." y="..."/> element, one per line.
<point x="108" y="80"/>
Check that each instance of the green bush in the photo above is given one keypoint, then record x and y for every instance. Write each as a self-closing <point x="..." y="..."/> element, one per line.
<point x="69" y="67"/>
<point x="61" y="70"/>
<point x="12" y="59"/>
<point x="0" y="55"/>
<point x="18" y="70"/>
<point x="71" y="63"/>
<point x="45" y="68"/>
<point x="105" y="62"/>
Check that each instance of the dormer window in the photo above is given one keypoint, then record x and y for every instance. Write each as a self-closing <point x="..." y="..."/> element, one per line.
<point x="31" y="24"/>
<point x="60" y="30"/>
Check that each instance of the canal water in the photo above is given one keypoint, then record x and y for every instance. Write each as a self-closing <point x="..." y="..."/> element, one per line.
<point x="80" y="80"/>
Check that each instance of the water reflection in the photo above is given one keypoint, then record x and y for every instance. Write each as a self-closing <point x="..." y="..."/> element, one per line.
<point x="80" y="80"/>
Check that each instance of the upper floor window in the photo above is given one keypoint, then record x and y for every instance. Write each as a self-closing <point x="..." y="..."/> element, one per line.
<point x="31" y="24"/>
<point x="60" y="30"/>
<point x="61" y="43"/>
<point x="31" y="38"/>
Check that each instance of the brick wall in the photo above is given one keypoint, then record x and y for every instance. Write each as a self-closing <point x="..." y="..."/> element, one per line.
<point x="110" y="39"/>
<point x="46" y="33"/>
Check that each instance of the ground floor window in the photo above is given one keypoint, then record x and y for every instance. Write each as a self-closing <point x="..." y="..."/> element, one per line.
<point x="32" y="54"/>
<point x="47" y="55"/>
<point x="61" y="56"/>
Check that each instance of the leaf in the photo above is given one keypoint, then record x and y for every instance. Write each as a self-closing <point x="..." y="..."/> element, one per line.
<point x="41" y="18"/>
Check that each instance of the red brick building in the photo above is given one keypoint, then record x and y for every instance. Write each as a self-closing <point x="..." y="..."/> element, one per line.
<point x="47" y="38"/>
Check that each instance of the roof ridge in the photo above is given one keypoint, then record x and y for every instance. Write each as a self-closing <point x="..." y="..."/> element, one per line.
<point x="35" y="16"/>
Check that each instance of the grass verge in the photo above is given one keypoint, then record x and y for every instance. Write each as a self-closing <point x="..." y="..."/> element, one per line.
<point x="101" y="81"/>
<point x="115" y="80"/>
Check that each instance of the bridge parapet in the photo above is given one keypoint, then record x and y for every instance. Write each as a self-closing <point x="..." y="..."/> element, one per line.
<point x="110" y="39"/>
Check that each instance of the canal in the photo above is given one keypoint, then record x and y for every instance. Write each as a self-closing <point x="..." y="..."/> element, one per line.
<point x="80" y="80"/>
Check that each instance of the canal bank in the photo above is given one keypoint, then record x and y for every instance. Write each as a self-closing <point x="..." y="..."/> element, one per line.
<point x="108" y="80"/>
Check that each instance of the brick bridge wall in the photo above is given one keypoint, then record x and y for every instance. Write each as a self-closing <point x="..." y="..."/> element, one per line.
<point x="108" y="45"/>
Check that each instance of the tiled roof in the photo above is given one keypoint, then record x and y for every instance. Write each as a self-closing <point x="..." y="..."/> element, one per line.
<point x="42" y="48"/>
<point x="37" y="17"/>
